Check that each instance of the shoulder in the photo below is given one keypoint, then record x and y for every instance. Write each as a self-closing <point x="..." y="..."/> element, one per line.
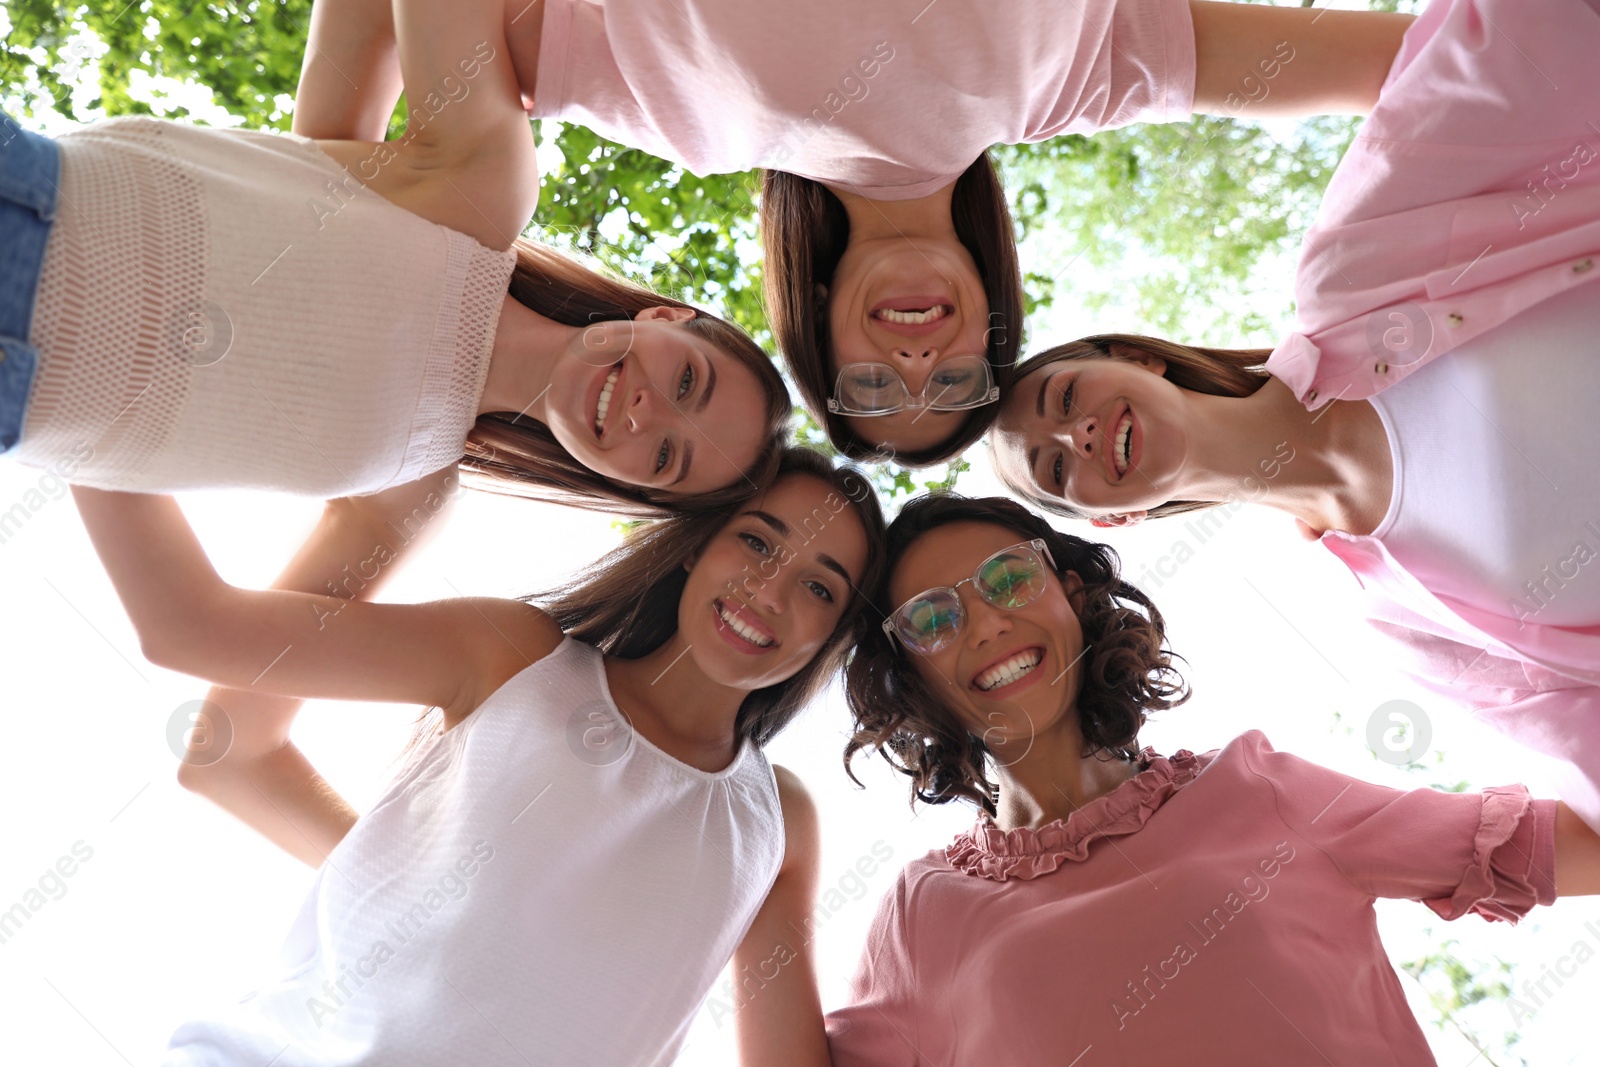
<point x="801" y="827"/>
<point x="510" y="637"/>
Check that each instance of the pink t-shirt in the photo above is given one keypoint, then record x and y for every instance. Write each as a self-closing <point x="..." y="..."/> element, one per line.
<point x="893" y="98"/>
<point x="1212" y="909"/>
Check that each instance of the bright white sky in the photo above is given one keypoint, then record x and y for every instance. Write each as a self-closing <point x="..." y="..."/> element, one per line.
<point x="179" y="907"/>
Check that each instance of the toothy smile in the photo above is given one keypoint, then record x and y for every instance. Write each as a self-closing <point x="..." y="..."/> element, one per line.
<point x="604" y="404"/>
<point x="912" y="317"/>
<point x="1009" y="670"/>
<point x="750" y="633"/>
<point x="1122" y="453"/>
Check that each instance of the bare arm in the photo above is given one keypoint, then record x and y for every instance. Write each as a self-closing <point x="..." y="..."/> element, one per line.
<point x="350" y="79"/>
<point x="779" y="1013"/>
<point x="451" y="653"/>
<point x="1577" y="855"/>
<point x="263" y="779"/>
<point x="1262" y="61"/>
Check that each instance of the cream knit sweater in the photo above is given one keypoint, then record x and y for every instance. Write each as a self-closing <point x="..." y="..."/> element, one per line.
<point x="230" y="308"/>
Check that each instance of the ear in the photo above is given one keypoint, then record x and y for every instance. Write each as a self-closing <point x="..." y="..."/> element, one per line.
<point x="1072" y="585"/>
<point x="662" y="313"/>
<point x="1127" y="518"/>
<point x="819" y="293"/>
<point x="1140" y="358"/>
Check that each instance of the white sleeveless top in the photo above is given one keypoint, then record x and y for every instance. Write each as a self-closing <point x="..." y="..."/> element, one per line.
<point x="541" y="886"/>
<point x="1496" y="499"/>
<point x="232" y="309"/>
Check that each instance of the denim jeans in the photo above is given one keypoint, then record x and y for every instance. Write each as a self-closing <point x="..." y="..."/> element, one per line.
<point x="30" y="170"/>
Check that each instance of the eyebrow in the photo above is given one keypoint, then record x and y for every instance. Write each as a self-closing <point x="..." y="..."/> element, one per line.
<point x="1039" y="404"/>
<point x="711" y="387"/>
<point x="683" y="468"/>
<point x="781" y="528"/>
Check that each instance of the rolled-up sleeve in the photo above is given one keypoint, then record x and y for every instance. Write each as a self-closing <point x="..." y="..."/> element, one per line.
<point x="1492" y="853"/>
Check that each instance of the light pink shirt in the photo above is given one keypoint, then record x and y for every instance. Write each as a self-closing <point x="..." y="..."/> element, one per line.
<point x="894" y="98"/>
<point x="1213" y="909"/>
<point x="1471" y="193"/>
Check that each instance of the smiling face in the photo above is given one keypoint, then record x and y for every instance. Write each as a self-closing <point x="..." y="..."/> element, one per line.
<point x="649" y="402"/>
<point x="910" y="303"/>
<point x="1105" y="436"/>
<point x="765" y="593"/>
<point x="1008" y="674"/>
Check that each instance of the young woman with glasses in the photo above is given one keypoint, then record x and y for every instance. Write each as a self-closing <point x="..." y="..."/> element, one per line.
<point x="457" y="922"/>
<point x="1113" y="904"/>
<point x="1431" y="422"/>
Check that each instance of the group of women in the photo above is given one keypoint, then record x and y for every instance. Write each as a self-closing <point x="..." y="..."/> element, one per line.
<point x="333" y="315"/>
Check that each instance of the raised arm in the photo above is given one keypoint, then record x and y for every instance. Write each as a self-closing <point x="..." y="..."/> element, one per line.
<point x="779" y="1015"/>
<point x="450" y="654"/>
<point x="1262" y="61"/>
<point x="263" y="779"/>
<point x="350" y="79"/>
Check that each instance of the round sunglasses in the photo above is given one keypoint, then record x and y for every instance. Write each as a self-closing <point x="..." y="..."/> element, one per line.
<point x="1011" y="578"/>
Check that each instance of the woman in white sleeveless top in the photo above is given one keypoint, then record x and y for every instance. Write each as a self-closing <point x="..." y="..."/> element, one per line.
<point x="560" y="873"/>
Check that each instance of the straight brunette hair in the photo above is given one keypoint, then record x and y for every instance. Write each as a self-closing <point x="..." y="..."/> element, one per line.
<point x="1215" y="371"/>
<point x="804" y="230"/>
<point x="626" y="603"/>
<point x="511" y="453"/>
<point x="1127" y="669"/>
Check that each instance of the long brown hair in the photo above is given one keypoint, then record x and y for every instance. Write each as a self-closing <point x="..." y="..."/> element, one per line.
<point x="1214" y="371"/>
<point x="515" y="454"/>
<point x="1127" y="668"/>
<point x="804" y="231"/>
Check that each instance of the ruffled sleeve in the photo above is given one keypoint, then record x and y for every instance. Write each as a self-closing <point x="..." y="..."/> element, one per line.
<point x="1492" y="852"/>
<point x="986" y="851"/>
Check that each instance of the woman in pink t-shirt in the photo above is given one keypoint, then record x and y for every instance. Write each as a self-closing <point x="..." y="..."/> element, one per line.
<point x="1143" y="906"/>
<point x="889" y="244"/>
<point x="1459" y="491"/>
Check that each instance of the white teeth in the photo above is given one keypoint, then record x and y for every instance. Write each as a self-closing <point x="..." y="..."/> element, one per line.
<point x="915" y="318"/>
<point x="1009" y="671"/>
<point x="1124" y="440"/>
<point x="743" y="629"/>
<point x="605" y="400"/>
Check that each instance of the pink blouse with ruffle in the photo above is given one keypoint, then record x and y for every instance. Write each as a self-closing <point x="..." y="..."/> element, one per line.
<point x="1216" y="908"/>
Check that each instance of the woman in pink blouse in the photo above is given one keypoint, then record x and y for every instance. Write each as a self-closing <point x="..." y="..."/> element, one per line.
<point x="1462" y="493"/>
<point x="1112" y="905"/>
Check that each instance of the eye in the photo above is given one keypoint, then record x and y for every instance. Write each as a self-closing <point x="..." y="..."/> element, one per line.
<point x="663" y="457"/>
<point x="821" y="590"/>
<point x="1066" y="400"/>
<point x="1055" y="470"/>
<point x="686" y="381"/>
<point x="755" y="542"/>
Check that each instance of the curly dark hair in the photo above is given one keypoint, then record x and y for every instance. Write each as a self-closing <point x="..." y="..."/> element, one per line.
<point x="1127" y="671"/>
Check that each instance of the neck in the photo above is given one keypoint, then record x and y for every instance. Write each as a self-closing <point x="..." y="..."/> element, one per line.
<point x="526" y="347"/>
<point x="1330" y="468"/>
<point x="676" y="707"/>
<point x="926" y="216"/>
<point x="1054" y="779"/>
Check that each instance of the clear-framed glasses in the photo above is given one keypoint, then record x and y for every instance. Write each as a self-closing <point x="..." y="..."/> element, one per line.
<point x="956" y="384"/>
<point x="1011" y="578"/>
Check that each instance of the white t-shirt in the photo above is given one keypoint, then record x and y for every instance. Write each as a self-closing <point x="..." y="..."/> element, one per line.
<point x="1496" y="448"/>
<point x="541" y="885"/>
<point x="894" y="98"/>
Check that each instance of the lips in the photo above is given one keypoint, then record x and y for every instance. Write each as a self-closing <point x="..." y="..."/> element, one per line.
<point x="1009" y="672"/>
<point x="742" y="629"/>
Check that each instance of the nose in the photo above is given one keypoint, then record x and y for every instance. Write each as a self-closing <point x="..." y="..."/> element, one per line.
<point x="1083" y="434"/>
<point x="984" y="622"/>
<point x="915" y="363"/>
<point x="641" y="410"/>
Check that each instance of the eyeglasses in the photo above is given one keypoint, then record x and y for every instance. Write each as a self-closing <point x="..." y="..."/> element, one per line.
<point x="877" y="388"/>
<point x="1011" y="578"/>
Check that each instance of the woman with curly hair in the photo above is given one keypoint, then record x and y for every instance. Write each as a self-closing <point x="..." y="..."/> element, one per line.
<point x="1146" y="906"/>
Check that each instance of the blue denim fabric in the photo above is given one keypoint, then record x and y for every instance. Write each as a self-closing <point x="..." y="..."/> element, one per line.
<point x="30" y="170"/>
